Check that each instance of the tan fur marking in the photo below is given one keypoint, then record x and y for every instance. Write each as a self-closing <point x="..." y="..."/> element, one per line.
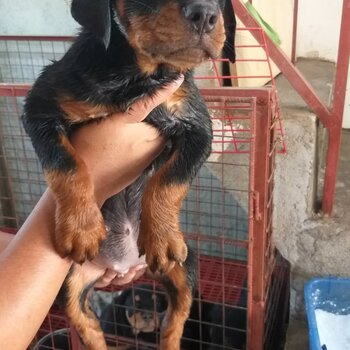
<point x="167" y="38"/>
<point x="160" y="235"/>
<point x="78" y="112"/>
<point x="86" y="324"/>
<point x="174" y="321"/>
<point x="79" y="223"/>
<point x="175" y="101"/>
<point x="139" y="324"/>
<point x="147" y="64"/>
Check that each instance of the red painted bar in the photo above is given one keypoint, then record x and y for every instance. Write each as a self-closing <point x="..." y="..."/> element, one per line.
<point x="338" y="111"/>
<point x="331" y="120"/>
<point x="259" y="175"/>
<point x="293" y="75"/>
<point x="36" y="38"/>
<point x="14" y="90"/>
<point x="257" y="236"/>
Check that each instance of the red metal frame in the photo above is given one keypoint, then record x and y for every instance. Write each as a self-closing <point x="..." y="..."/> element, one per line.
<point x="220" y="280"/>
<point x="36" y="38"/>
<point x="331" y="119"/>
<point x="260" y="261"/>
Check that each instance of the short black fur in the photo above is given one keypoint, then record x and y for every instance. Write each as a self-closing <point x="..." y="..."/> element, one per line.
<point x="102" y="69"/>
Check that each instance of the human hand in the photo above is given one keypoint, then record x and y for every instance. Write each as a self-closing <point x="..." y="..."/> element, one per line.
<point x="118" y="149"/>
<point x="111" y="277"/>
<point x="105" y="277"/>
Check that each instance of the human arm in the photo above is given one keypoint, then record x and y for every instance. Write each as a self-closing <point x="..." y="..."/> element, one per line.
<point x="115" y="151"/>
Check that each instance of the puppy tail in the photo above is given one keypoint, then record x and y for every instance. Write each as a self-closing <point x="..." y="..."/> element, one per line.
<point x="78" y="309"/>
<point x="179" y="284"/>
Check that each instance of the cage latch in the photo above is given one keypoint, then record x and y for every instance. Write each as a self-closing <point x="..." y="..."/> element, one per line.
<point x="256" y="206"/>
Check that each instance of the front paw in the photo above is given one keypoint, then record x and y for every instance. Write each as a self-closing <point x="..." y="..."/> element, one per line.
<point x="163" y="251"/>
<point x="79" y="234"/>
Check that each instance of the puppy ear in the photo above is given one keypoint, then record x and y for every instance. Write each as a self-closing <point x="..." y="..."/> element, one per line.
<point x="230" y="26"/>
<point x="95" y="16"/>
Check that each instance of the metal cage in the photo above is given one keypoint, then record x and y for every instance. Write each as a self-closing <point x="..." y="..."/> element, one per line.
<point x="243" y="284"/>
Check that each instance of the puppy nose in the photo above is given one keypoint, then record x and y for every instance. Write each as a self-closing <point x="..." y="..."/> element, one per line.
<point x="202" y="17"/>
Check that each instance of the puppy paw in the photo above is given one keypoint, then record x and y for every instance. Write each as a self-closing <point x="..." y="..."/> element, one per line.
<point x="79" y="234"/>
<point x="163" y="252"/>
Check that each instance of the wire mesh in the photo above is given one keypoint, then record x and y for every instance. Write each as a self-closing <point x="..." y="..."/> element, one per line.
<point x="215" y="217"/>
<point x="22" y="58"/>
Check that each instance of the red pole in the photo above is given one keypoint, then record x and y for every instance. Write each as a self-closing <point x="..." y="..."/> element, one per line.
<point x="257" y="234"/>
<point x="338" y="111"/>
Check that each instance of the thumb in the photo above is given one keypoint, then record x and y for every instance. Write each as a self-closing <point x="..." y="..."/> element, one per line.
<point x="139" y="110"/>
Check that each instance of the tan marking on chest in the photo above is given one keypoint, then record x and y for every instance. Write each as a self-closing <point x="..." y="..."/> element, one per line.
<point x="78" y="112"/>
<point x="175" y="102"/>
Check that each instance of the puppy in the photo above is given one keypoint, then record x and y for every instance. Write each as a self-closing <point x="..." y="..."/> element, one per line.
<point x="137" y="312"/>
<point x="128" y="49"/>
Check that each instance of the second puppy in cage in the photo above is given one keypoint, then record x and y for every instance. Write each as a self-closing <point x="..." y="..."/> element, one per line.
<point x="127" y="50"/>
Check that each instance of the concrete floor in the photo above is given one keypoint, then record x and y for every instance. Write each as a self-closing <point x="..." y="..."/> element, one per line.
<point x="320" y="74"/>
<point x="326" y="235"/>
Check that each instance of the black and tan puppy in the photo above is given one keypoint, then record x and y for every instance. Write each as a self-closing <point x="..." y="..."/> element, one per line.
<point x="128" y="49"/>
<point x="135" y="312"/>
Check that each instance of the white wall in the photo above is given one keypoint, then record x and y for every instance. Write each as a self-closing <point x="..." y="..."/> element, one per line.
<point x="318" y="35"/>
<point x="36" y="17"/>
<point x="318" y="28"/>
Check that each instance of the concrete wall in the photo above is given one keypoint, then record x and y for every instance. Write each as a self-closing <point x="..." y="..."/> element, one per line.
<point x="314" y="245"/>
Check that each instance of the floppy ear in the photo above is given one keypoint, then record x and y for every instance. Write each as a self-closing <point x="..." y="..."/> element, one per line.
<point x="95" y="16"/>
<point x="230" y="26"/>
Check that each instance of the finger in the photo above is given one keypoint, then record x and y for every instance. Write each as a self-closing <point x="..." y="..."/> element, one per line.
<point x="106" y="279"/>
<point x="139" y="110"/>
<point x="139" y="273"/>
<point x="133" y="274"/>
<point x="126" y="279"/>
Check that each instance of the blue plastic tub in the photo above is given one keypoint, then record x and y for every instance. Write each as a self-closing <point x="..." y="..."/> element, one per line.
<point x="329" y="294"/>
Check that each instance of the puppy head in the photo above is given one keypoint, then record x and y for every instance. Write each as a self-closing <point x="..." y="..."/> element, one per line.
<point x="178" y="33"/>
<point x="145" y="309"/>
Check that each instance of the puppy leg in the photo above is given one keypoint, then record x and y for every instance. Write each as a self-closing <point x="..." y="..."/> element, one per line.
<point x="179" y="284"/>
<point x="160" y="236"/>
<point x="79" y="311"/>
<point x="79" y="224"/>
